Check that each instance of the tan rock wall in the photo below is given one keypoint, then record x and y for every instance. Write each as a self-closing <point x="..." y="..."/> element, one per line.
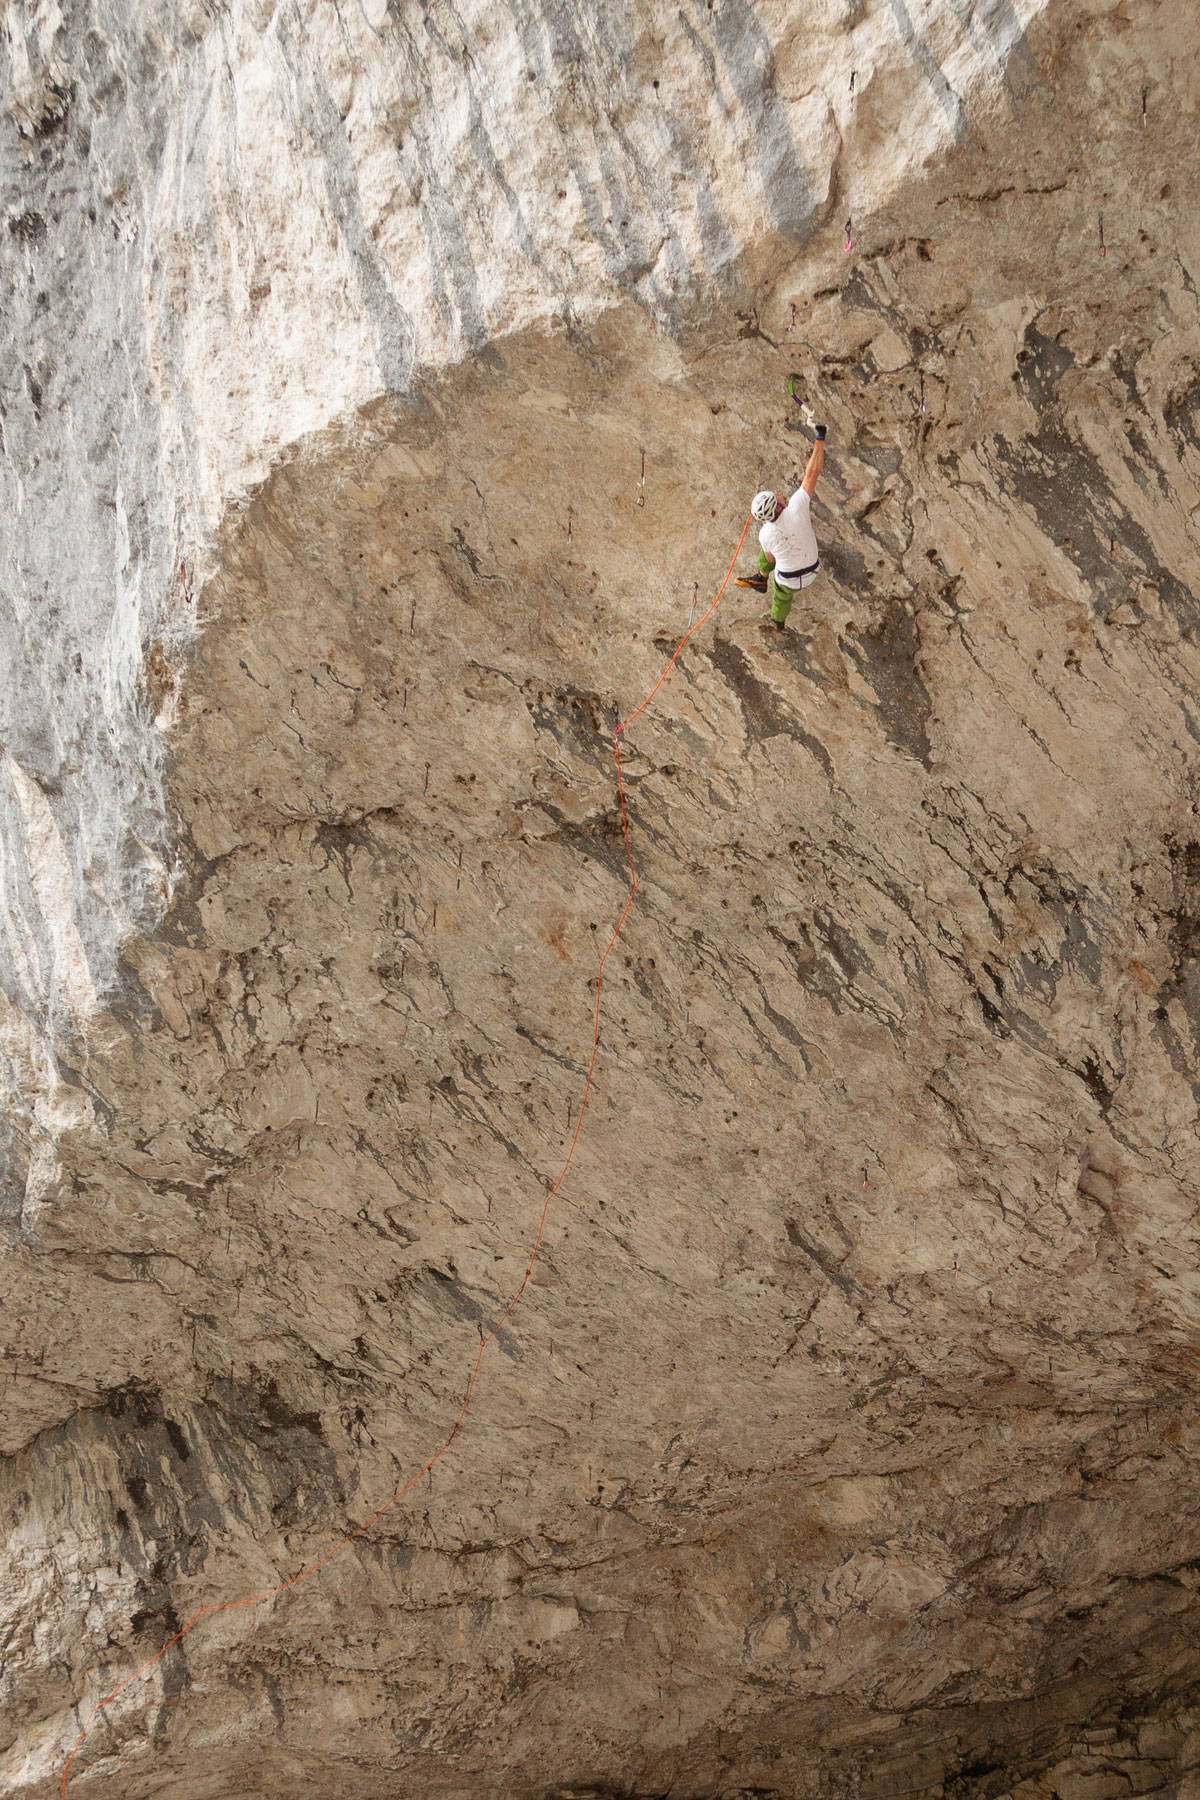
<point x="846" y="1441"/>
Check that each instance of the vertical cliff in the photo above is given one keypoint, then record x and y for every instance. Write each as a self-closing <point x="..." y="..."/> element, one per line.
<point x="844" y="1444"/>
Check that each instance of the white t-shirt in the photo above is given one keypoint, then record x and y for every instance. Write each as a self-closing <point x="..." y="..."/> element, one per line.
<point x="790" y="539"/>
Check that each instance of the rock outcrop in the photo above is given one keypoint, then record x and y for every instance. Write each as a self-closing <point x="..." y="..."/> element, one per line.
<point x="393" y="381"/>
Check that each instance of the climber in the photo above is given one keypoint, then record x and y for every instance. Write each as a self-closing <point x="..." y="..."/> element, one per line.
<point x="788" y="556"/>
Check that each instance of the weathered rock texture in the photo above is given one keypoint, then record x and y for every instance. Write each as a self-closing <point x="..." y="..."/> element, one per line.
<point x="846" y="1444"/>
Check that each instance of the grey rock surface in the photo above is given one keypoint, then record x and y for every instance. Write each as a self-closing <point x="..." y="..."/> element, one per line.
<point x="845" y="1443"/>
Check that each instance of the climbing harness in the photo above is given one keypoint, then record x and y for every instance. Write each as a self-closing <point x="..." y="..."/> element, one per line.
<point x="488" y="1338"/>
<point x="789" y="577"/>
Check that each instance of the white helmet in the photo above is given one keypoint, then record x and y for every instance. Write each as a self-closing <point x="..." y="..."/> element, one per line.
<point x="763" y="506"/>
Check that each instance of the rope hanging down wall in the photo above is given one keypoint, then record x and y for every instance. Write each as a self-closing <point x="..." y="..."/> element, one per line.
<point x="488" y="1338"/>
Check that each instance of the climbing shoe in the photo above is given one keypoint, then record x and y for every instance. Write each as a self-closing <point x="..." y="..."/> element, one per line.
<point x="757" y="582"/>
<point x="778" y="624"/>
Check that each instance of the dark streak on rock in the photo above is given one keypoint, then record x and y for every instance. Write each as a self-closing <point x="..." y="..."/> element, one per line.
<point x="887" y="658"/>
<point x="764" y="713"/>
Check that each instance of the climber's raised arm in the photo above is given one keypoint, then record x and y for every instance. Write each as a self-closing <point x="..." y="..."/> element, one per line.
<point x="816" y="463"/>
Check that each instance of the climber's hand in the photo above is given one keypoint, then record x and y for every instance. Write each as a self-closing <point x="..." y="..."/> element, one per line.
<point x="821" y="430"/>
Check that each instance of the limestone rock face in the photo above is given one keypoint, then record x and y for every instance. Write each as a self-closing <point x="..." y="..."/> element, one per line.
<point x="387" y="385"/>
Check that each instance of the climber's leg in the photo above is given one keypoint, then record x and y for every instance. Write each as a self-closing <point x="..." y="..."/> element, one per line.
<point x="762" y="581"/>
<point x="781" y="602"/>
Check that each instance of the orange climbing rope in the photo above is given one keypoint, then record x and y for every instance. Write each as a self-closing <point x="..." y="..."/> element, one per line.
<point x="486" y="1340"/>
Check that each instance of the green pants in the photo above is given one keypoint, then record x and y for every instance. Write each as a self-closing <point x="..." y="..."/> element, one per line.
<point x="781" y="598"/>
